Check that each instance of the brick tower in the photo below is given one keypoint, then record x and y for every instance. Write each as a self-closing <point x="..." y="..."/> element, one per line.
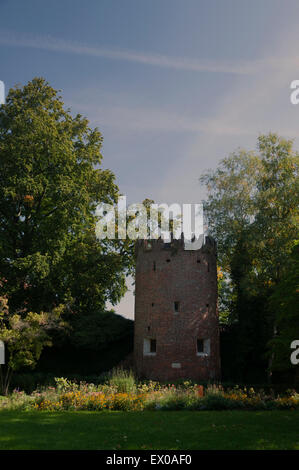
<point x="176" y="317"/>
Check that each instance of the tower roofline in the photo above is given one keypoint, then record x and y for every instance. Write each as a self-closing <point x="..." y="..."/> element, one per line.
<point x="203" y="242"/>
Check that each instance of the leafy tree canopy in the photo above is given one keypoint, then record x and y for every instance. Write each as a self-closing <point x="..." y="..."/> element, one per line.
<point x="51" y="181"/>
<point x="252" y="211"/>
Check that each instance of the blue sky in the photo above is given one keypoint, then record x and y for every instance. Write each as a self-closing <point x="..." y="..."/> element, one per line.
<point x="173" y="85"/>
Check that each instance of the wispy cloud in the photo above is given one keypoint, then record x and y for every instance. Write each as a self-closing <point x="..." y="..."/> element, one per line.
<point x="50" y="43"/>
<point x="148" y="119"/>
<point x="246" y="110"/>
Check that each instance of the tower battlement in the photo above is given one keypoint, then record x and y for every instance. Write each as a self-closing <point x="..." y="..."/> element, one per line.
<point x="204" y="243"/>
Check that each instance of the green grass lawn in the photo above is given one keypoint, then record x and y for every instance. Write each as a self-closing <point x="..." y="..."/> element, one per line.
<point x="150" y="430"/>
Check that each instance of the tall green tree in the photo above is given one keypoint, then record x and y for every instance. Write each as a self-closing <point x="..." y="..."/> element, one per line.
<point x="51" y="181"/>
<point x="252" y="210"/>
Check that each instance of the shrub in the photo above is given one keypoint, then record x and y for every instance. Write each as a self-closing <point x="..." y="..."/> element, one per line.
<point x="123" y="381"/>
<point x="170" y="398"/>
<point x="173" y="401"/>
<point x="65" y="385"/>
<point x="213" y="402"/>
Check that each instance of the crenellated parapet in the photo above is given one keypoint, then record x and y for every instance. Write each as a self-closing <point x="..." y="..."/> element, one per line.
<point x="206" y="244"/>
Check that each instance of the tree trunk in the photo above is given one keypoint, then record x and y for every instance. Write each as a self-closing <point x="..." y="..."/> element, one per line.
<point x="271" y="359"/>
<point x="5" y="378"/>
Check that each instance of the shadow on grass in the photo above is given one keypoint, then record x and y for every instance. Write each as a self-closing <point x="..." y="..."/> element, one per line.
<point x="149" y="430"/>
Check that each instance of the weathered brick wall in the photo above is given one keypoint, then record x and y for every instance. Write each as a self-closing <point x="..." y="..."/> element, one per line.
<point x="190" y="278"/>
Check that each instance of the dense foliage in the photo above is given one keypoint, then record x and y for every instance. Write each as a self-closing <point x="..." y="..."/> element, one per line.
<point x="51" y="180"/>
<point x="252" y="210"/>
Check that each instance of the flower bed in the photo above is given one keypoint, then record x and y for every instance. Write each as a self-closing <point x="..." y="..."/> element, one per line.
<point x="112" y="395"/>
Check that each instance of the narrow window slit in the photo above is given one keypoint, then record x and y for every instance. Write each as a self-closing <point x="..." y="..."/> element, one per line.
<point x="153" y="345"/>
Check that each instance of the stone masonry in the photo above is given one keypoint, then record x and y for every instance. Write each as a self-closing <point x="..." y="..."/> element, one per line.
<point x="176" y="318"/>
